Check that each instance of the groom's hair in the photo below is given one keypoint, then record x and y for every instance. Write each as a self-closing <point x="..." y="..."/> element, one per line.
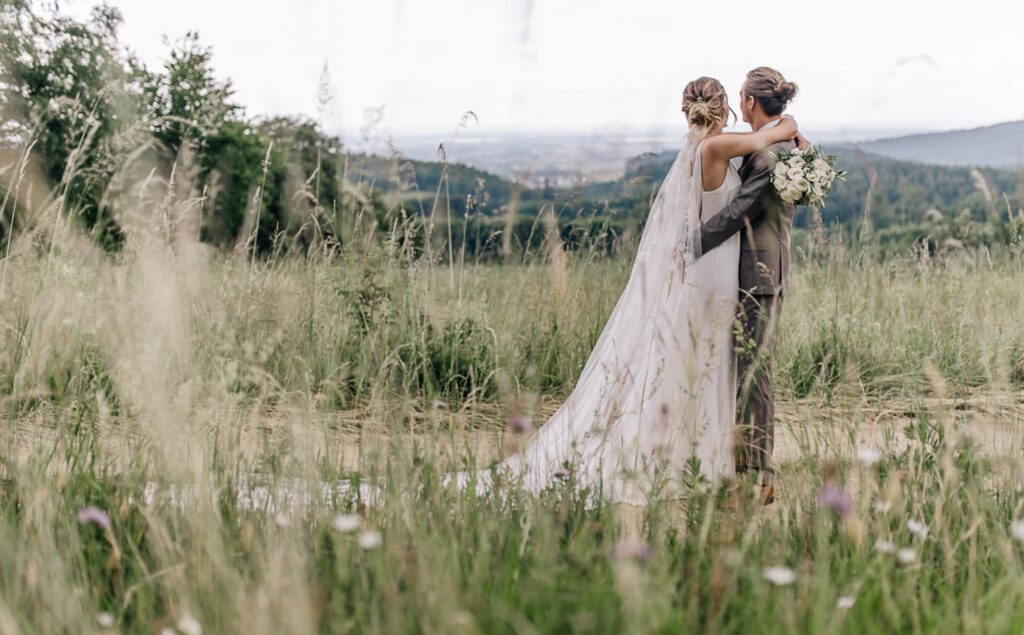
<point x="770" y="89"/>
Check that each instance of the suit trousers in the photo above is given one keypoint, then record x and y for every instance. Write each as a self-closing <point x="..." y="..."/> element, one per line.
<point x="755" y="405"/>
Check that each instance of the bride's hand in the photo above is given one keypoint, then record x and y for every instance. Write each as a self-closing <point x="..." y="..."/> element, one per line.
<point x="803" y="142"/>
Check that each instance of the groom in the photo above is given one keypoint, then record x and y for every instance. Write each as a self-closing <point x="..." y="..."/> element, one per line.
<point x="765" y="222"/>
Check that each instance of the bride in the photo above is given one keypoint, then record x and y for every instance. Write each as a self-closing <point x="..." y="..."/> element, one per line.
<point x="656" y="400"/>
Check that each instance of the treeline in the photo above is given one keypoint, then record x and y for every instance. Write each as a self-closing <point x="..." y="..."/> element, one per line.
<point x="891" y="204"/>
<point x="98" y="122"/>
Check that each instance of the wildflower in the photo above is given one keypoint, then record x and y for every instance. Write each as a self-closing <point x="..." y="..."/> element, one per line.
<point x="779" y="576"/>
<point x="1017" y="530"/>
<point x="94" y="515"/>
<point x="845" y="602"/>
<point x="885" y="546"/>
<point x="906" y="556"/>
<point x="869" y="456"/>
<point x="282" y="520"/>
<point x="519" y="423"/>
<point x="104" y="619"/>
<point x="836" y="499"/>
<point x="560" y="473"/>
<point x="370" y="539"/>
<point x="440" y="405"/>
<point x="189" y="625"/>
<point x="633" y="548"/>
<point x="917" y="528"/>
<point x="883" y="507"/>
<point x="345" y="523"/>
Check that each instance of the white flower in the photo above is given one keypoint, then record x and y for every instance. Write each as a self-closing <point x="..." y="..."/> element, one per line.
<point x="780" y="170"/>
<point x="869" y="456"/>
<point x="883" y="507"/>
<point x="821" y="165"/>
<point x="801" y="184"/>
<point x="885" y="546"/>
<point x="345" y="523"/>
<point x="845" y="602"/>
<point x="906" y="556"/>
<point x="796" y="161"/>
<point x="104" y="619"/>
<point x="779" y="576"/>
<point x="791" y="195"/>
<point x="1017" y="530"/>
<point x="795" y="173"/>
<point x="917" y="528"/>
<point x="190" y="625"/>
<point x="370" y="539"/>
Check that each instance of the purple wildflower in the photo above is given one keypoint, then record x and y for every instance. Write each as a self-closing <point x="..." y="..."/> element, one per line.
<point x="519" y="423"/>
<point x="633" y="548"/>
<point x="560" y="473"/>
<point x="95" y="515"/>
<point x="836" y="499"/>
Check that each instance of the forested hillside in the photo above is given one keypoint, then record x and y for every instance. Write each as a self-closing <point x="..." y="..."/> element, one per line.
<point x="81" y="111"/>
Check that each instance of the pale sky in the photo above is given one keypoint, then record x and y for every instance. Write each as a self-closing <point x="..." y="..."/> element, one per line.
<point x="601" y="64"/>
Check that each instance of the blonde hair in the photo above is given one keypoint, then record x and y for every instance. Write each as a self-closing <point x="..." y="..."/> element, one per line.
<point x="770" y="89"/>
<point x="705" y="104"/>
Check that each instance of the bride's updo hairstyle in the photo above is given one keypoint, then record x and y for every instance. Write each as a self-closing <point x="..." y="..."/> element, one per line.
<point x="770" y="89"/>
<point x="705" y="104"/>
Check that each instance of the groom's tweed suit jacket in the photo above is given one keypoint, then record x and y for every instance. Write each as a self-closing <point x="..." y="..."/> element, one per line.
<point x="764" y="221"/>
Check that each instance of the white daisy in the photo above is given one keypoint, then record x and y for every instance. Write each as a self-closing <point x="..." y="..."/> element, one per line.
<point x="869" y="456"/>
<point x="190" y="625"/>
<point x="885" y="546"/>
<point x="779" y="576"/>
<point x="370" y="539"/>
<point x="917" y="528"/>
<point x="345" y="523"/>
<point x="1017" y="530"/>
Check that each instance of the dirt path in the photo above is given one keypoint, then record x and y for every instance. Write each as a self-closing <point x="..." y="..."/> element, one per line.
<point x="806" y="430"/>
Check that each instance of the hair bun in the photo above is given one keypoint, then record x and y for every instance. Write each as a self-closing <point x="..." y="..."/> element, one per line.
<point x="786" y="91"/>
<point x="704" y="103"/>
<point x="698" y="113"/>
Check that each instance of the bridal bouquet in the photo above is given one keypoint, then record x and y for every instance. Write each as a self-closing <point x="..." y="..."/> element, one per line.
<point x="805" y="177"/>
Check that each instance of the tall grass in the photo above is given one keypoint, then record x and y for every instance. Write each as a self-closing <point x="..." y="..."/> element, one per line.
<point x="208" y="404"/>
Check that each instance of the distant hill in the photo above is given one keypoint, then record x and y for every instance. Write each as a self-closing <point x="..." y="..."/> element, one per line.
<point x="999" y="146"/>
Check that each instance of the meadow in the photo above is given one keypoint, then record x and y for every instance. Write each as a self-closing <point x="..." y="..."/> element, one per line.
<point x="261" y="382"/>
<point x="215" y="327"/>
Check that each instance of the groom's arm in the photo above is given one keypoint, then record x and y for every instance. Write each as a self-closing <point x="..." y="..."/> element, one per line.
<point x="742" y="209"/>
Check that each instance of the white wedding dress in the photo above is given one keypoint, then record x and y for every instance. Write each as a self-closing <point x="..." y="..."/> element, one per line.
<point x="659" y="388"/>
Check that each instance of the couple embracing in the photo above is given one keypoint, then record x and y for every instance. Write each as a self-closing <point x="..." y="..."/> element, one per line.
<point x="680" y="379"/>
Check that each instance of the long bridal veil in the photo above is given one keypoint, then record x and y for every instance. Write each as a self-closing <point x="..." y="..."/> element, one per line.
<point x="635" y="421"/>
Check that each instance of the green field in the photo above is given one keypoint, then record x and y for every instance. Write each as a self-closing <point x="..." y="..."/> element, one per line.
<point x="211" y="324"/>
<point x="126" y="378"/>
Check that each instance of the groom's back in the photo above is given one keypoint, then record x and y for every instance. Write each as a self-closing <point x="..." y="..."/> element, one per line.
<point x="764" y="255"/>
